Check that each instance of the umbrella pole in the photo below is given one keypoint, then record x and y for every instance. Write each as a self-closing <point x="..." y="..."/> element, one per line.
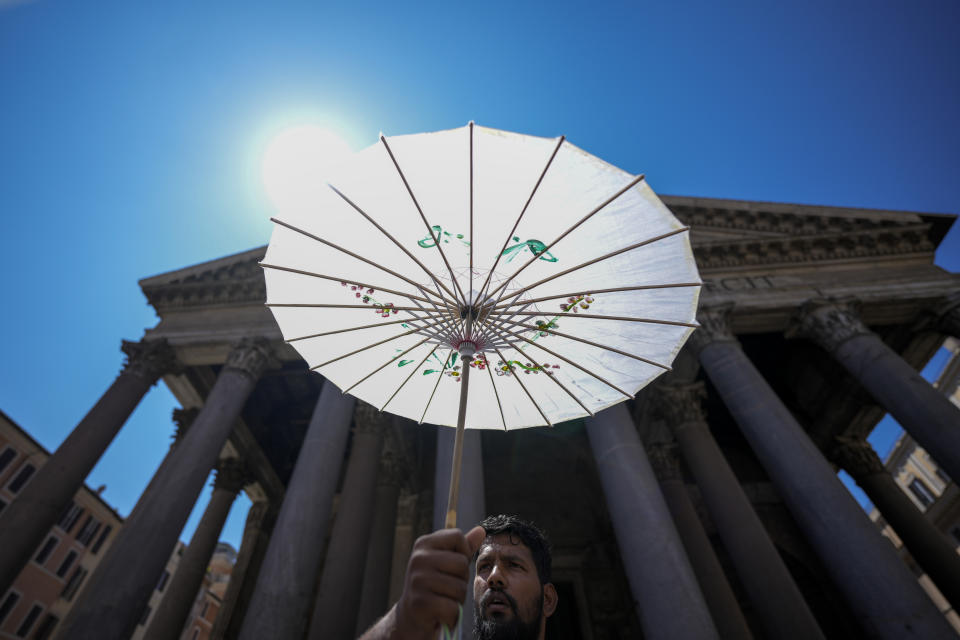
<point x="451" y="520"/>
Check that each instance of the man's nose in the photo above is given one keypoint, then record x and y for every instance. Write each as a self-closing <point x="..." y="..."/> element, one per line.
<point x="496" y="577"/>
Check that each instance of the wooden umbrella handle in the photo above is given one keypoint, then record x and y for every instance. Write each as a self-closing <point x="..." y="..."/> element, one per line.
<point x="451" y="520"/>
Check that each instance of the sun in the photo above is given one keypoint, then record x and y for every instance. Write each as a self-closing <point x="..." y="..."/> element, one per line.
<point x="297" y="161"/>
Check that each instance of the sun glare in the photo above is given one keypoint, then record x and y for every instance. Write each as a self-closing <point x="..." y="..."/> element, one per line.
<point x="297" y="162"/>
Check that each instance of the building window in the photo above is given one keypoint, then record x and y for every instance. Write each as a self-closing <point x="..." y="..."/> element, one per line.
<point x="922" y="492"/>
<point x="21" y="478"/>
<point x="66" y="564"/>
<point x="46" y="550"/>
<point x="8" y="604"/>
<point x="70" y="516"/>
<point x="101" y="539"/>
<point x="163" y="580"/>
<point x="73" y="584"/>
<point x="90" y="528"/>
<point x="46" y="628"/>
<point x="145" y="616"/>
<point x="943" y="476"/>
<point x="28" y="621"/>
<point x="6" y="457"/>
<point x="203" y="610"/>
<point x="196" y="632"/>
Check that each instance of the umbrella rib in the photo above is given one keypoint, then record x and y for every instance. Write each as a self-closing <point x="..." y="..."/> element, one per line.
<point x="643" y="287"/>
<point x="446" y="363"/>
<point x="470" y="302"/>
<point x="568" y="361"/>
<point x="506" y="363"/>
<point x="365" y="285"/>
<point x="393" y="359"/>
<point x="369" y="346"/>
<point x="637" y="245"/>
<point x="562" y="314"/>
<point x="592" y="261"/>
<point x="591" y="343"/>
<point x="402" y="384"/>
<point x="392" y="239"/>
<point x="358" y="257"/>
<point x="554" y="378"/>
<point x="522" y="211"/>
<point x="563" y="235"/>
<point x="324" y="305"/>
<point x="496" y="394"/>
<point x="444" y="323"/>
<point x="366" y="326"/>
<point x="423" y="217"/>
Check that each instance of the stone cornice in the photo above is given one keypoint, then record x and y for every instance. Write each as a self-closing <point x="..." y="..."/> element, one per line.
<point x="726" y="234"/>
<point x="791" y="250"/>
<point x="232" y="281"/>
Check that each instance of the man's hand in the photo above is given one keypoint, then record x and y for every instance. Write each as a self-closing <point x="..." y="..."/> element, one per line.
<point x="436" y="583"/>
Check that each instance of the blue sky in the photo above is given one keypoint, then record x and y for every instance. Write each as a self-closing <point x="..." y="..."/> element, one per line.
<point x="131" y="138"/>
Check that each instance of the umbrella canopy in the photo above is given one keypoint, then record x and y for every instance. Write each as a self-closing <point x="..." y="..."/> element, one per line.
<point x="562" y="282"/>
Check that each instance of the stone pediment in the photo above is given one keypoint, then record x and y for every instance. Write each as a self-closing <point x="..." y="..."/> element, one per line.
<point x="732" y="234"/>
<point x="229" y="281"/>
<point x="727" y="235"/>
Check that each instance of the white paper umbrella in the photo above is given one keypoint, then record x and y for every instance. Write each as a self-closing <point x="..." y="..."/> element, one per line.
<point x="560" y="282"/>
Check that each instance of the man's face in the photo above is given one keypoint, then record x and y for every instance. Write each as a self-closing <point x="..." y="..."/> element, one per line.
<point x="509" y="600"/>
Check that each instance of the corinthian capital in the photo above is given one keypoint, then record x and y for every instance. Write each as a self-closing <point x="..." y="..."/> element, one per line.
<point x="391" y="472"/>
<point x="948" y="315"/>
<point x="366" y="419"/>
<point x="856" y="457"/>
<point x="231" y="475"/>
<point x="253" y="356"/>
<point x="829" y="323"/>
<point x="183" y="419"/>
<point x="681" y="403"/>
<point x="663" y="458"/>
<point x="714" y="328"/>
<point x="149" y="359"/>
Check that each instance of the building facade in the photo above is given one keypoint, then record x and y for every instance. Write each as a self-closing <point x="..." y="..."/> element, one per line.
<point x="46" y="588"/>
<point x="708" y="506"/>
<point x="928" y="487"/>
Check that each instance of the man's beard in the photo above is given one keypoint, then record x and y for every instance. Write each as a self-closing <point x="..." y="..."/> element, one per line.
<point x="512" y="629"/>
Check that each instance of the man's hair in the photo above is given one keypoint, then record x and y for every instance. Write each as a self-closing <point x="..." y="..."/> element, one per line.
<point x="527" y="533"/>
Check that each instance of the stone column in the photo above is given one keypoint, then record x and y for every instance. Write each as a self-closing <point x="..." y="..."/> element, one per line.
<point x="779" y="604"/>
<point x="723" y="605"/>
<point x="376" y="574"/>
<point x="117" y="592"/>
<point x="883" y="594"/>
<point x="471" y="502"/>
<point x="926" y="544"/>
<point x="925" y="413"/>
<point x="171" y="616"/>
<point x="665" y="592"/>
<point x="338" y="596"/>
<point x="256" y="536"/>
<point x="281" y="600"/>
<point x="38" y="506"/>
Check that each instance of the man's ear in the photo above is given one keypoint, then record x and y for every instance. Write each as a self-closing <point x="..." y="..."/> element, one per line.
<point x="550" y="599"/>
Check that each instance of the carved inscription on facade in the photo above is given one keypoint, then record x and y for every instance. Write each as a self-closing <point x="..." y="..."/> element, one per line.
<point x="739" y="283"/>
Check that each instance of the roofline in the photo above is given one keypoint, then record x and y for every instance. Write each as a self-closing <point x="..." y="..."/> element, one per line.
<point x="166" y="276"/>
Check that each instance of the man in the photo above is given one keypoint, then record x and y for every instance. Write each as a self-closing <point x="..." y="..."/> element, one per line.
<point x="512" y="593"/>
